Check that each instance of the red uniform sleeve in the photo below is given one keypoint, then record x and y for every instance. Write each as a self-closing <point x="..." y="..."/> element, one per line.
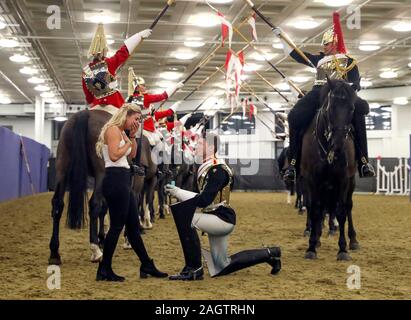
<point x="87" y="93"/>
<point x="162" y="114"/>
<point x="153" y="98"/>
<point x="170" y="125"/>
<point x="118" y="59"/>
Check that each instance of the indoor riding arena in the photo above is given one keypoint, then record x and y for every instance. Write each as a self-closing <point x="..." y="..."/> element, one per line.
<point x="205" y="150"/>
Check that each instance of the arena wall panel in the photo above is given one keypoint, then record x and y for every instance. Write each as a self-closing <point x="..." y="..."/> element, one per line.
<point x="15" y="180"/>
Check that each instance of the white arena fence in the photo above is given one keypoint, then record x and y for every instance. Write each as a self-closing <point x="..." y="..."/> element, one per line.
<point x="396" y="182"/>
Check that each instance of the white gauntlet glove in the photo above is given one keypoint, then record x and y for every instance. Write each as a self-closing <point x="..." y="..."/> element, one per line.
<point x="179" y="194"/>
<point x="175" y="106"/>
<point x="172" y="90"/>
<point x="286" y="47"/>
<point x="132" y="42"/>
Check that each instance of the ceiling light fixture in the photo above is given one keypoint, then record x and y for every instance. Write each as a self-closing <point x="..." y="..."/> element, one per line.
<point x="28" y="70"/>
<point x="183" y="55"/>
<point x="170" y="75"/>
<point x="4" y="100"/>
<point x="19" y="58"/>
<point x="42" y="88"/>
<point x="336" y="3"/>
<point x="204" y="20"/>
<point x="300" y="79"/>
<point x="402" y="26"/>
<point x="304" y="23"/>
<point x="262" y="57"/>
<point x="251" y="67"/>
<point x="389" y="74"/>
<point x="369" y="46"/>
<point x="36" y="80"/>
<point x="8" y="43"/>
<point x="194" y="42"/>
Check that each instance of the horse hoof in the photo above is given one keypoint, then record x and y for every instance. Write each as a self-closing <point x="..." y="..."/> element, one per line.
<point x="343" y="256"/>
<point x="354" y="246"/>
<point x="318" y="245"/>
<point x="300" y="212"/>
<point x="96" y="253"/>
<point x="307" y="233"/>
<point x="55" y="260"/>
<point x="162" y="216"/>
<point x="310" y="255"/>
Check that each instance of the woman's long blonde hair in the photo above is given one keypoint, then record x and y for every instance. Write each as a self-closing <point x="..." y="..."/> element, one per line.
<point x="117" y="120"/>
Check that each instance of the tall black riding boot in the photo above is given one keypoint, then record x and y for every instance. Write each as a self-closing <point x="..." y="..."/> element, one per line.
<point x="291" y="172"/>
<point x="365" y="169"/>
<point x="248" y="258"/>
<point x="183" y="213"/>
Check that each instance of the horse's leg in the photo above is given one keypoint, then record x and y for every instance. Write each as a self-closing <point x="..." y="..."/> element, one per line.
<point x="101" y="231"/>
<point x="57" y="209"/>
<point x="342" y="242"/>
<point x="161" y="197"/>
<point x="316" y="213"/>
<point x="307" y="230"/>
<point x="95" y="208"/>
<point x="150" y="196"/>
<point x="354" y="244"/>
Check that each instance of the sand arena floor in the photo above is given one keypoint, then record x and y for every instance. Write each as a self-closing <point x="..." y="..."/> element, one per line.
<point x="383" y="226"/>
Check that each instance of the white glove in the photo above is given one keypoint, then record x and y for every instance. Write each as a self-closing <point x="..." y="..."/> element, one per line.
<point x="175" y="106"/>
<point x="145" y="33"/>
<point x="277" y="31"/>
<point x="180" y="194"/>
<point x="286" y="47"/>
<point x="132" y="42"/>
<point x="172" y="90"/>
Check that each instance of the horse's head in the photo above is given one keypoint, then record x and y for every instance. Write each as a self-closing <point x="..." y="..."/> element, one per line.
<point x="338" y="100"/>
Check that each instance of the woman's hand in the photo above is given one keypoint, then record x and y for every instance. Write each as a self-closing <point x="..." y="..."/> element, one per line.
<point x="134" y="129"/>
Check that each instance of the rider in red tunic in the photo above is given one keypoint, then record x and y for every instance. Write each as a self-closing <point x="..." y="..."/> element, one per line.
<point x="99" y="76"/>
<point x="138" y="93"/>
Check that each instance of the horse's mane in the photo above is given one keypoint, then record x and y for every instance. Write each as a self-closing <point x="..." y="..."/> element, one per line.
<point x="338" y="85"/>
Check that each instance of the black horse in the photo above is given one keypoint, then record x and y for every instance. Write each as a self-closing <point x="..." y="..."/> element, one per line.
<point x="328" y="165"/>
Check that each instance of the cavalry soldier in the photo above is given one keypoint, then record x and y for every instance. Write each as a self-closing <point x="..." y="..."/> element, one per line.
<point x="336" y="64"/>
<point x="99" y="76"/>
<point x="217" y="219"/>
<point x="138" y="92"/>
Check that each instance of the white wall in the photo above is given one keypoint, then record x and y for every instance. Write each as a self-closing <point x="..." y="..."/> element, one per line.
<point x="394" y="143"/>
<point x="25" y="127"/>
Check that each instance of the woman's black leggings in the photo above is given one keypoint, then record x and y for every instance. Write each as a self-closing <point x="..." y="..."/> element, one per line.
<point x="123" y="212"/>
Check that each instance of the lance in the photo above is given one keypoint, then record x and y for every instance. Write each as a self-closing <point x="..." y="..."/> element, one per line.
<point x="291" y="83"/>
<point x="282" y="35"/>
<point x="139" y="144"/>
<point x="161" y="14"/>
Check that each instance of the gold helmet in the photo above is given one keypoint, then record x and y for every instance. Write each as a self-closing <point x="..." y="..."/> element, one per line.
<point x="133" y="81"/>
<point x="99" y="42"/>
<point x="328" y="37"/>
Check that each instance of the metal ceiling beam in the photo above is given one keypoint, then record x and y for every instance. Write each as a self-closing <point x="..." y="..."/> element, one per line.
<point x="5" y="77"/>
<point x="37" y="45"/>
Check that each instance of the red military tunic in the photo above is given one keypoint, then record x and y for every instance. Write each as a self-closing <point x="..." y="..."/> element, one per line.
<point x="113" y="63"/>
<point x="148" y="100"/>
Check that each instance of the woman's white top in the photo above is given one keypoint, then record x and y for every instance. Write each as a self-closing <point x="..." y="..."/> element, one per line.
<point x="120" y="163"/>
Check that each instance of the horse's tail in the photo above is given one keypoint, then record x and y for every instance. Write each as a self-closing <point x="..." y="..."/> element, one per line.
<point x="78" y="171"/>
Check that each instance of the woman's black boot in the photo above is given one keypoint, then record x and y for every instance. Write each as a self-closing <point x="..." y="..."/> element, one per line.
<point x="148" y="268"/>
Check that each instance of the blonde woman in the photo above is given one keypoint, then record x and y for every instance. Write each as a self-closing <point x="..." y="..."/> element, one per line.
<point x="114" y="146"/>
